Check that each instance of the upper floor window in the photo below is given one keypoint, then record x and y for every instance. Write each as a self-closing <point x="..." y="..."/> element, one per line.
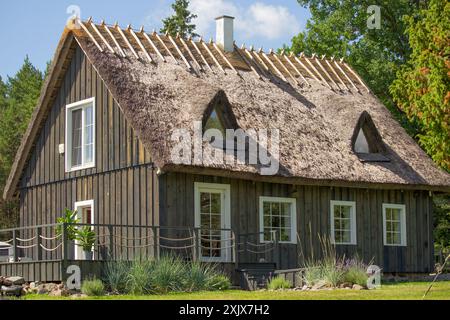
<point x="80" y="135"/>
<point x="394" y="224"/>
<point x="343" y="222"/>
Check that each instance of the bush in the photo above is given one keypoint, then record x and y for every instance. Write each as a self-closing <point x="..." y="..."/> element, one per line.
<point x="279" y="283"/>
<point x="168" y="274"/>
<point x="356" y="272"/>
<point x="93" y="288"/>
<point x="139" y="277"/>
<point x="116" y="276"/>
<point x="219" y="282"/>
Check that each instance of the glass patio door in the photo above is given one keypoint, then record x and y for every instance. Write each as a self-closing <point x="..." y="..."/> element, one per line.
<point x="212" y="217"/>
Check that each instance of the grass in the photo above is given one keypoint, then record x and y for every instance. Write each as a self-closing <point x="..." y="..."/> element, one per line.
<point x="397" y="291"/>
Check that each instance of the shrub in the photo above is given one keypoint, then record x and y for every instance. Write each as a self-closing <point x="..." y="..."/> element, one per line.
<point x="116" y="276"/>
<point x="197" y="276"/>
<point x="139" y="277"/>
<point x="168" y="274"/>
<point x="355" y="275"/>
<point x="93" y="288"/>
<point x="279" y="283"/>
<point x="356" y="271"/>
<point x="219" y="282"/>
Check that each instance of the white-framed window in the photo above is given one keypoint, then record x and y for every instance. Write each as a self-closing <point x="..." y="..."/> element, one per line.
<point x="343" y="222"/>
<point x="85" y="215"/>
<point x="394" y="224"/>
<point x="80" y="135"/>
<point x="278" y="216"/>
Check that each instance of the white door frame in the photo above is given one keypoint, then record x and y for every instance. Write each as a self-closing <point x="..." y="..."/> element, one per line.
<point x="224" y="190"/>
<point x="83" y="204"/>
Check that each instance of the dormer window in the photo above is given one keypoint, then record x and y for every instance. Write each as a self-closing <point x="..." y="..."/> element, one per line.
<point x="367" y="142"/>
<point x="361" y="144"/>
<point x="218" y="116"/>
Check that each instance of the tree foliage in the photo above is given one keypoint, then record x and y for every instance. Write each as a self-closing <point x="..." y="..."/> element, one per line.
<point x="422" y="87"/>
<point x="181" y="21"/>
<point x="340" y="28"/>
<point x="18" y="99"/>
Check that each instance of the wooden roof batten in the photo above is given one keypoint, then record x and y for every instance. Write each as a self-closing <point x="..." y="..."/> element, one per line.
<point x="336" y="75"/>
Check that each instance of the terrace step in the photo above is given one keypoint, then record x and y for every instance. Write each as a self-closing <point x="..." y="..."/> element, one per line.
<point x="254" y="276"/>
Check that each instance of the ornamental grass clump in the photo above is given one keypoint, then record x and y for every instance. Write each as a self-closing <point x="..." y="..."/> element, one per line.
<point x="278" y="283"/>
<point x="93" y="288"/>
<point x="167" y="274"/>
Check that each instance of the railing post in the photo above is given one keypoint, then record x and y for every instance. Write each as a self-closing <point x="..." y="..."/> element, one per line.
<point x="277" y="249"/>
<point x="15" y="245"/>
<point x="65" y="248"/>
<point x="156" y="232"/>
<point x="234" y="248"/>
<point x="111" y="243"/>
<point x="39" y="243"/>
<point x="195" y="245"/>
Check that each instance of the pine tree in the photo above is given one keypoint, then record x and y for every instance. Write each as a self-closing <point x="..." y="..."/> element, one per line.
<point x="180" y="22"/>
<point x="18" y="98"/>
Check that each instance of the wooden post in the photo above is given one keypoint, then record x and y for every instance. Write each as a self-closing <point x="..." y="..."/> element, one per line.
<point x="65" y="248"/>
<point x="39" y="242"/>
<point x="15" y="246"/>
<point x="111" y="242"/>
<point x="196" y="246"/>
<point x="234" y="248"/>
<point x="156" y="232"/>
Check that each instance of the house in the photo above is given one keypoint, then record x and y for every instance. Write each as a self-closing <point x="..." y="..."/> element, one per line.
<point x="220" y="153"/>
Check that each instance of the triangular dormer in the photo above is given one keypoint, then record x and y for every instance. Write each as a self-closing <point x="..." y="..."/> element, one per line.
<point x="219" y="116"/>
<point x="367" y="142"/>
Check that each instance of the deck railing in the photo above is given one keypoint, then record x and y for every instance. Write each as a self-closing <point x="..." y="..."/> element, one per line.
<point x="115" y="242"/>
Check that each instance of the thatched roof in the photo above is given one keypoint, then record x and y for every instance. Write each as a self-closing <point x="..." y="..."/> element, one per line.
<point x="316" y="108"/>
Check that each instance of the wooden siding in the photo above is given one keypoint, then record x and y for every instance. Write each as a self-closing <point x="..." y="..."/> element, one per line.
<point x="122" y="182"/>
<point x="313" y="218"/>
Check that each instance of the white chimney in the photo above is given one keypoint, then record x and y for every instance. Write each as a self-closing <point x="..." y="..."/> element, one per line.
<point x="224" y="33"/>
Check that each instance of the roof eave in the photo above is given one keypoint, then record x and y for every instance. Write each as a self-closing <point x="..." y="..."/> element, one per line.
<point x="301" y="180"/>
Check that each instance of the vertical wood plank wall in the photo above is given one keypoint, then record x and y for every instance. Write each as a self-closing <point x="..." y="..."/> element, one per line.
<point x="313" y="218"/>
<point x="122" y="181"/>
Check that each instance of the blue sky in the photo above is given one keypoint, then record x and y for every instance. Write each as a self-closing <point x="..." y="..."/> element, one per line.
<point x="33" y="28"/>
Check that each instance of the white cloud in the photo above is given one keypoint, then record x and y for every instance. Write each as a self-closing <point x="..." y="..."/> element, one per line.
<point x="253" y="21"/>
<point x="257" y="20"/>
<point x="268" y="21"/>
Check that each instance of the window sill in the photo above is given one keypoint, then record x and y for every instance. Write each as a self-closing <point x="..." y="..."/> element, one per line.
<point x="85" y="167"/>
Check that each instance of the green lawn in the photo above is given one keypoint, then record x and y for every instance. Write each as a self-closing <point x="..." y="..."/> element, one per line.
<point x="398" y="291"/>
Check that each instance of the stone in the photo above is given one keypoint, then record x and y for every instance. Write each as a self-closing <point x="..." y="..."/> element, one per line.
<point x="34" y="285"/>
<point x="345" y="285"/>
<point x="2" y="281"/>
<point x="304" y="287"/>
<point x="41" y="289"/>
<point x="357" y="287"/>
<point x="319" y="285"/>
<point x="14" y="281"/>
<point x="13" y="290"/>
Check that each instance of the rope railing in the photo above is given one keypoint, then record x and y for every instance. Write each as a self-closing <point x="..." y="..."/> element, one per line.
<point x="51" y="250"/>
<point x="51" y="238"/>
<point x="27" y="247"/>
<point x="26" y="240"/>
<point x="175" y="239"/>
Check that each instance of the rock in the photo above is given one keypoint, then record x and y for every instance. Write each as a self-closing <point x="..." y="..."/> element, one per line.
<point x="14" y="281"/>
<point x="42" y="289"/>
<point x="79" y="296"/>
<point x="304" y="287"/>
<point x="2" y="281"/>
<point x="34" y="285"/>
<point x="357" y="287"/>
<point x="13" y="290"/>
<point x="345" y="285"/>
<point x="319" y="285"/>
